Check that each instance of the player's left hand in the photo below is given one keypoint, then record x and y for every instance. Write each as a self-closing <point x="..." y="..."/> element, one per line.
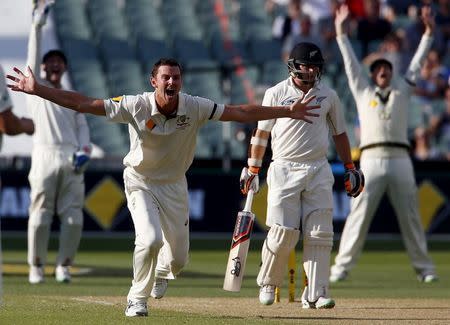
<point x="80" y="160"/>
<point x="353" y="180"/>
<point x="249" y="181"/>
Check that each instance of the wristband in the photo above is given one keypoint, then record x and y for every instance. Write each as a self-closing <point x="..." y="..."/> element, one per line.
<point x="254" y="162"/>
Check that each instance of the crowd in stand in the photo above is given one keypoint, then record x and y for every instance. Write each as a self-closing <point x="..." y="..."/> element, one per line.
<point x="389" y="29"/>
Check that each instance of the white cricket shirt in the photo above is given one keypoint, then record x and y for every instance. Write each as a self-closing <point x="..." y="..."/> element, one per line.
<point x="296" y="140"/>
<point x="161" y="148"/>
<point x="55" y="126"/>
<point x="382" y="122"/>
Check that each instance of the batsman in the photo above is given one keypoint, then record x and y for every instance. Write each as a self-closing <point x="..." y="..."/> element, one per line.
<point x="299" y="178"/>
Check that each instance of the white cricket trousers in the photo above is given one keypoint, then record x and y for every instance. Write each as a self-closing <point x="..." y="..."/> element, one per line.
<point x="395" y="176"/>
<point x="55" y="190"/>
<point x="160" y="214"/>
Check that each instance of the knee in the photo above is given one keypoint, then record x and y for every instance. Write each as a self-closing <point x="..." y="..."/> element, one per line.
<point x="319" y="228"/>
<point x="40" y="218"/>
<point x="282" y="239"/>
<point x="72" y="218"/>
<point x="150" y="243"/>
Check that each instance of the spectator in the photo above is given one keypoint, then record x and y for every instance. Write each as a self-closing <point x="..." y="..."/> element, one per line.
<point x="423" y="149"/>
<point x="306" y="35"/>
<point x="440" y="127"/>
<point x="288" y="24"/>
<point x="372" y="27"/>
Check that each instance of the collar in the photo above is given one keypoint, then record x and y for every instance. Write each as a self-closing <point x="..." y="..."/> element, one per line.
<point x="383" y="92"/>
<point x="181" y="109"/>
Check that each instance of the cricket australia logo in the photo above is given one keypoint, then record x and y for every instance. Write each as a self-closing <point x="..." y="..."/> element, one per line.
<point x="182" y="122"/>
<point x="236" y="270"/>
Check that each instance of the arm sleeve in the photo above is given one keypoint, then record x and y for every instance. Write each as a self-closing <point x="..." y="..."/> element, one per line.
<point x="34" y="49"/>
<point x="82" y="131"/>
<point x="5" y="100"/>
<point x="356" y="79"/>
<point x="413" y="71"/>
<point x="268" y="100"/>
<point x="335" y="118"/>
<point x="208" y="109"/>
<point x="120" y="109"/>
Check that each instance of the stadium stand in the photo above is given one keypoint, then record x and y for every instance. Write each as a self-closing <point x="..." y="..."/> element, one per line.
<point x="225" y="47"/>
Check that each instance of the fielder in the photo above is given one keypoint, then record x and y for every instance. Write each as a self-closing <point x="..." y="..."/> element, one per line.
<point x="10" y="124"/>
<point x="163" y="128"/>
<point x="61" y="150"/>
<point x="383" y="109"/>
<point x="299" y="178"/>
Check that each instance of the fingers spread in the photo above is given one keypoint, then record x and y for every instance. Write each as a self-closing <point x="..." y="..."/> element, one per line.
<point x="16" y="70"/>
<point x="312" y="107"/>
<point x="307" y="100"/>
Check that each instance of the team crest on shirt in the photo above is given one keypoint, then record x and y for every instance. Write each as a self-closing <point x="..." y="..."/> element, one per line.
<point x="373" y="103"/>
<point x="288" y="101"/>
<point x="182" y="122"/>
<point x="320" y="99"/>
<point x="117" y="99"/>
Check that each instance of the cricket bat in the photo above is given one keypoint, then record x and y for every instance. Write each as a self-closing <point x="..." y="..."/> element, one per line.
<point x="239" y="247"/>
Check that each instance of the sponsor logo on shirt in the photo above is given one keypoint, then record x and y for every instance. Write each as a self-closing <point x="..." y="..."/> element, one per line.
<point x="117" y="99"/>
<point x="288" y="101"/>
<point x="320" y="99"/>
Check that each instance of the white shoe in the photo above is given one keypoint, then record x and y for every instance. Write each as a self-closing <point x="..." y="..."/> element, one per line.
<point x="62" y="274"/>
<point x="267" y="294"/>
<point x="321" y="303"/>
<point x="36" y="274"/>
<point x="136" y="308"/>
<point x="428" y="278"/>
<point x="159" y="288"/>
<point x="338" y="277"/>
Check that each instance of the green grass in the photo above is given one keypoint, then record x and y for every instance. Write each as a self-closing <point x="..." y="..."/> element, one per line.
<point x="384" y="271"/>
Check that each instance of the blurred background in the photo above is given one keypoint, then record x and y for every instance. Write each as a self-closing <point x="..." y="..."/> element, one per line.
<point x="231" y="51"/>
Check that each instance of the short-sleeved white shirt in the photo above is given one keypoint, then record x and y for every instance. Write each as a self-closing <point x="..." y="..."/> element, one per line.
<point x="5" y="100"/>
<point x="161" y="149"/>
<point x="296" y="140"/>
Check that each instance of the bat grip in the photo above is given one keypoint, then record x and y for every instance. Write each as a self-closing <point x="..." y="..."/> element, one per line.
<point x="249" y="201"/>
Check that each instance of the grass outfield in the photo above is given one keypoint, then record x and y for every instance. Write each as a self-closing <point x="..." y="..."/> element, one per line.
<point x="382" y="289"/>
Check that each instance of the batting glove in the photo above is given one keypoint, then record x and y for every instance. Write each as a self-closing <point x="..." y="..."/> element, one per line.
<point x="80" y="160"/>
<point x="353" y="180"/>
<point x="40" y="12"/>
<point x="249" y="180"/>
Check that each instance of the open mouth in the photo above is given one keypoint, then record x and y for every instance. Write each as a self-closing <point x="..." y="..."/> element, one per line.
<point x="170" y="92"/>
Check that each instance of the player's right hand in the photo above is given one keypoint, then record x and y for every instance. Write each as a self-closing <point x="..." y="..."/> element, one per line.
<point x="249" y="181"/>
<point x="40" y="12"/>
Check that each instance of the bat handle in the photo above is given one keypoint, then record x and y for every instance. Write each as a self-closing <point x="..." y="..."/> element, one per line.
<point x="249" y="201"/>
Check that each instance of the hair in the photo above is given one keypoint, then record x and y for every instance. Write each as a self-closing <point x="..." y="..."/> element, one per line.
<point x="51" y="53"/>
<point x="378" y="62"/>
<point x="165" y="61"/>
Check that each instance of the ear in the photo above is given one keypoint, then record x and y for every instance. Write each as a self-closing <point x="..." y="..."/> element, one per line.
<point x="153" y="81"/>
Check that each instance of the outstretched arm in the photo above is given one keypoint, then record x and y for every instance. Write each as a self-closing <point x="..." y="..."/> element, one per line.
<point x="425" y="43"/>
<point x="357" y="81"/>
<point x="251" y="113"/>
<point x="69" y="99"/>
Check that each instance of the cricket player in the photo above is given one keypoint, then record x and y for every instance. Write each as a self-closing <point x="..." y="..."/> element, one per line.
<point x="163" y="128"/>
<point x="299" y="178"/>
<point x="382" y="104"/>
<point x="10" y="124"/>
<point x="61" y="150"/>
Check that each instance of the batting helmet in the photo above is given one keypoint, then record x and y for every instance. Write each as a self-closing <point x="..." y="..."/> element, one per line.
<point x="305" y="53"/>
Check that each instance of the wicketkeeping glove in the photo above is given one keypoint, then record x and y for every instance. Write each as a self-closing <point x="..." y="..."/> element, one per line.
<point x="249" y="180"/>
<point x="40" y="12"/>
<point x="353" y="180"/>
<point x="80" y="161"/>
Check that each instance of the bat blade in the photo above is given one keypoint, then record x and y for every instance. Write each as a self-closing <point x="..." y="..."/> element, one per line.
<point x="239" y="249"/>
